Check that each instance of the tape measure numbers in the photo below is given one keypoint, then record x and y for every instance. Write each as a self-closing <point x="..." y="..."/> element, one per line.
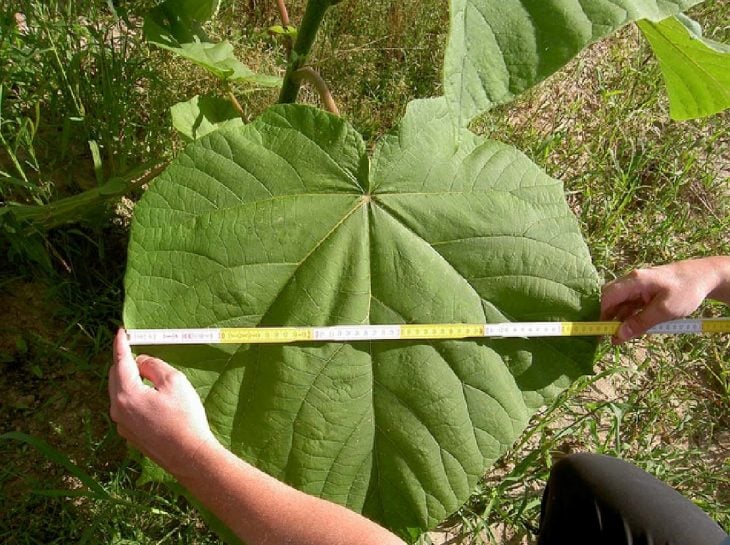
<point x="351" y="333"/>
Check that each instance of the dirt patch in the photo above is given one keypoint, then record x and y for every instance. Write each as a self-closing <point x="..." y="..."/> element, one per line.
<point x="504" y="534"/>
<point x="48" y="392"/>
<point x="26" y="310"/>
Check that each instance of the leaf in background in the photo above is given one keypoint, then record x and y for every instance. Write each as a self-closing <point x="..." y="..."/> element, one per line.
<point x="201" y="115"/>
<point x="696" y="70"/>
<point x="177" y="25"/>
<point x="499" y="48"/>
<point x="175" y="22"/>
<point x="219" y="60"/>
<point x="279" y="30"/>
<point x="284" y="222"/>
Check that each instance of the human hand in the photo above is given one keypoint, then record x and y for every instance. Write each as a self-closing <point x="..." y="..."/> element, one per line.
<point x="166" y="422"/>
<point x="647" y="297"/>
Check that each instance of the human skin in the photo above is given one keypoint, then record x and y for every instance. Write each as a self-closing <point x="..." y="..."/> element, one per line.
<point x="167" y="422"/>
<point x="647" y="297"/>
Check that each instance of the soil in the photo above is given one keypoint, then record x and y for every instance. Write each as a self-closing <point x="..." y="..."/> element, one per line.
<point x="49" y="394"/>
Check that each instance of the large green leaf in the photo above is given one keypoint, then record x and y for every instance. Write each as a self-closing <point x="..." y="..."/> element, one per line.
<point x="696" y="70"/>
<point x="286" y="222"/>
<point x="499" y="48"/>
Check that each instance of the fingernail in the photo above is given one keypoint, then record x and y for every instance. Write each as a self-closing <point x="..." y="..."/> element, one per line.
<point x="625" y="332"/>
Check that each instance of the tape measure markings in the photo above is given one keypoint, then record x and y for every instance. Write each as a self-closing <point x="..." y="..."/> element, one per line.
<point x="350" y="333"/>
<point x="716" y="325"/>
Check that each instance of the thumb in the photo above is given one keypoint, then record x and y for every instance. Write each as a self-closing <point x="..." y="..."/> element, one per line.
<point x="157" y="371"/>
<point x="654" y="313"/>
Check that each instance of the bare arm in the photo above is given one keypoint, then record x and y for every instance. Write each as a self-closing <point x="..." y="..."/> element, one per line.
<point x="169" y="425"/>
<point x="721" y="292"/>
<point x="647" y="297"/>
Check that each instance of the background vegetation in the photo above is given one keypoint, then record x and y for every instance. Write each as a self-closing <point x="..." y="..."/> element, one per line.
<point x="84" y="100"/>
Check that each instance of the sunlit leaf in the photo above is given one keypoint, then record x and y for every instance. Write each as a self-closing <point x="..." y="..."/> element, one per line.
<point x="176" y="25"/>
<point x="499" y="48"/>
<point x="174" y="22"/>
<point x="285" y="221"/>
<point x="696" y="70"/>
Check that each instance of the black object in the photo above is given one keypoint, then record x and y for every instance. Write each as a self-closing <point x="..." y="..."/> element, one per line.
<point x="598" y="500"/>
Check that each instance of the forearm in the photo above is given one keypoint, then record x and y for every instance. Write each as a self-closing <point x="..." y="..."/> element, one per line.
<point x="719" y="268"/>
<point x="262" y="510"/>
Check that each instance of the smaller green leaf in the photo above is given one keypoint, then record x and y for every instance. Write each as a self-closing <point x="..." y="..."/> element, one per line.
<point x="178" y="21"/>
<point x="198" y="10"/>
<point x="219" y="60"/>
<point x="696" y="70"/>
<point x="202" y="115"/>
<point x="176" y="25"/>
<point x="288" y="30"/>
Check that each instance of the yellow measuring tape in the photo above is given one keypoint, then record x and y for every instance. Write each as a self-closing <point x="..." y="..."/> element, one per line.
<point x="353" y="333"/>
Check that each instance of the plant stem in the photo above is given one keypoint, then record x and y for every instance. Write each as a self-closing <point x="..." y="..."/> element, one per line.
<point x="72" y="209"/>
<point x="311" y="75"/>
<point x="313" y="15"/>
<point x="283" y="13"/>
<point x="237" y="105"/>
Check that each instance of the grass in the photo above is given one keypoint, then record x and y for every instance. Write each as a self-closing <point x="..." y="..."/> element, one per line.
<point x="84" y="99"/>
<point x="86" y="77"/>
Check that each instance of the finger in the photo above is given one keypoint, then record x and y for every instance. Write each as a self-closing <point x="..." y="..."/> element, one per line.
<point x="124" y="373"/>
<point x="618" y="292"/>
<point x="620" y="314"/>
<point x="622" y="311"/>
<point x="653" y="314"/>
<point x="628" y="310"/>
<point x="157" y="371"/>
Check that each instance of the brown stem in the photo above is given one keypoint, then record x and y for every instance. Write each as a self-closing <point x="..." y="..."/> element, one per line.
<point x="284" y="15"/>
<point x="313" y="77"/>
<point x="149" y="174"/>
<point x="236" y="104"/>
